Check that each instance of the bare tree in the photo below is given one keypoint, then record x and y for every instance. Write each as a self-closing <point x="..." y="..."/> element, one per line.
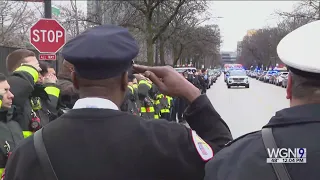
<point x="196" y="43"/>
<point x="15" y="20"/>
<point x="148" y="23"/>
<point x="185" y="17"/>
<point x="73" y="19"/>
<point x="307" y="10"/>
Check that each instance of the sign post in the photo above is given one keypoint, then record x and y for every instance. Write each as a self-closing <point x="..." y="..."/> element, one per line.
<point x="48" y="37"/>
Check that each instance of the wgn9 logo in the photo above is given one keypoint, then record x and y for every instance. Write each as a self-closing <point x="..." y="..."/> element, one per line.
<point x="287" y="155"/>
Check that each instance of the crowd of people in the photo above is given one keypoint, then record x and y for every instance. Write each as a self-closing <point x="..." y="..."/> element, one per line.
<point x="33" y="96"/>
<point x="144" y="98"/>
<point x="70" y="127"/>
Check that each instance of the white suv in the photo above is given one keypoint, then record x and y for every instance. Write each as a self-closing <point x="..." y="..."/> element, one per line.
<point x="238" y="78"/>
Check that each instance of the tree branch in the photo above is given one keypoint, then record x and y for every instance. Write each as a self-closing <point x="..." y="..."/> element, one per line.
<point x="167" y="22"/>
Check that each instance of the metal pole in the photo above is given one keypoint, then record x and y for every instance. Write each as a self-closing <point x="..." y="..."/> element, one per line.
<point x="47" y="9"/>
<point x="48" y="15"/>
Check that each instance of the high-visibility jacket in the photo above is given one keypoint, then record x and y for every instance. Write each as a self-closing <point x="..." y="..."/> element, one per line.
<point x="147" y="109"/>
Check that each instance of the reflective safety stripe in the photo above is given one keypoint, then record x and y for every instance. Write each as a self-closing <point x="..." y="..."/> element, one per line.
<point x="165" y="111"/>
<point x="131" y="89"/>
<point x="150" y="109"/>
<point x="1" y="171"/>
<point x="36" y="106"/>
<point x="33" y="72"/>
<point x="169" y="100"/>
<point x="51" y="90"/>
<point x="159" y="96"/>
<point x="0" y="103"/>
<point x="156" y="116"/>
<point x="27" y="133"/>
<point x="135" y="86"/>
<point x="157" y="102"/>
<point x="145" y="82"/>
<point x="147" y="109"/>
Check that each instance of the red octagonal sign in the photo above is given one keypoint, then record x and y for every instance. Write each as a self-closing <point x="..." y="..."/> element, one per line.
<point x="47" y="36"/>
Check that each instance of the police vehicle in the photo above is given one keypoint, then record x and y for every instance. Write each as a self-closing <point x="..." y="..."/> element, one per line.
<point x="237" y="78"/>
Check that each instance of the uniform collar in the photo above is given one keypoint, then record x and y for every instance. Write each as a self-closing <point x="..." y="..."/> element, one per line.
<point x="93" y="102"/>
<point x="308" y="113"/>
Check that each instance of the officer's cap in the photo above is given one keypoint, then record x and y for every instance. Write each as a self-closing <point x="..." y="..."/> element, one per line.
<point x="101" y="52"/>
<point x="300" y="50"/>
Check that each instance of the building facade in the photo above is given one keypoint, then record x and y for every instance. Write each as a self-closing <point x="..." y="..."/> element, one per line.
<point x="228" y="57"/>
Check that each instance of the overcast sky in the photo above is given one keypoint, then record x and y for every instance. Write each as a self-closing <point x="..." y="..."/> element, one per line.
<point x="238" y="17"/>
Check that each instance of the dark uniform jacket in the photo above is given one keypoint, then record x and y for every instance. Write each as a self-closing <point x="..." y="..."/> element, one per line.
<point x="104" y="144"/>
<point x="10" y="135"/>
<point x="129" y="103"/>
<point x="245" y="157"/>
<point x="23" y="88"/>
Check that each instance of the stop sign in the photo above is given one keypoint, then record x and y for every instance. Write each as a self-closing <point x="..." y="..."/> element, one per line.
<point x="47" y="36"/>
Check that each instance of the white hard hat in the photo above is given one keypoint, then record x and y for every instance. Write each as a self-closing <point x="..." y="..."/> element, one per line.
<point x="300" y="49"/>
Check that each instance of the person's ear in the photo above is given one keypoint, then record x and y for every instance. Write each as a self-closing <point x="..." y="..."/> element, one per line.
<point x="124" y="81"/>
<point x="74" y="79"/>
<point x="289" y="87"/>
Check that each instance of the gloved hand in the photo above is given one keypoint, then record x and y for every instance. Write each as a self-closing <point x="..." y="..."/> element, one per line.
<point x="50" y="79"/>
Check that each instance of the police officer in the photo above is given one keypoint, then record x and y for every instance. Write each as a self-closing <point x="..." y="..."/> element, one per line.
<point x="95" y="140"/>
<point x="294" y="127"/>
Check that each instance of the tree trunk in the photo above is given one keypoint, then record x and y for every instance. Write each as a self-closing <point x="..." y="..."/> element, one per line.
<point x="150" y="49"/>
<point x="157" y="53"/>
<point x="161" y="51"/>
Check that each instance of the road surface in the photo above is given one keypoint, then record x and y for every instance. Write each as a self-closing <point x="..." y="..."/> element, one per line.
<point x="247" y="110"/>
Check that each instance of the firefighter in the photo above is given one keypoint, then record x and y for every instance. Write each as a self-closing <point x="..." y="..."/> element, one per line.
<point x="146" y="110"/>
<point x="129" y="104"/>
<point x="164" y="106"/>
<point x="30" y="96"/>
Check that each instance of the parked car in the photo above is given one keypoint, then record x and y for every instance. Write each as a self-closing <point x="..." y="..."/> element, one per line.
<point x="259" y="74"/>
<point x="253" y="74"/>
<point x="261" y="77"/>
<point x="212" y="76"/>
<point x="284" y="82"/>
<point x="273" y="78"/>
<point x="268" y="75"/>
<point x="280" y="78"/>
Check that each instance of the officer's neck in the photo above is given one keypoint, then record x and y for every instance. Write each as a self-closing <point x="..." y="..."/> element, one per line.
<point x="299" y="102"/>
<point x="101" y="92"/>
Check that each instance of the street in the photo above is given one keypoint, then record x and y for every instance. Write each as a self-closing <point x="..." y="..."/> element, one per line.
<point x="247" y="110"/>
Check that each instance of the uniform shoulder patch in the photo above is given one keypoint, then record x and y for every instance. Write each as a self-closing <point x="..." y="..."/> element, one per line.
<point x="204" y="149"/>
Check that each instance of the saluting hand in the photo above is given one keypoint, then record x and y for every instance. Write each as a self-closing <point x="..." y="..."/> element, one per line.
<point x="172" y="83"/>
